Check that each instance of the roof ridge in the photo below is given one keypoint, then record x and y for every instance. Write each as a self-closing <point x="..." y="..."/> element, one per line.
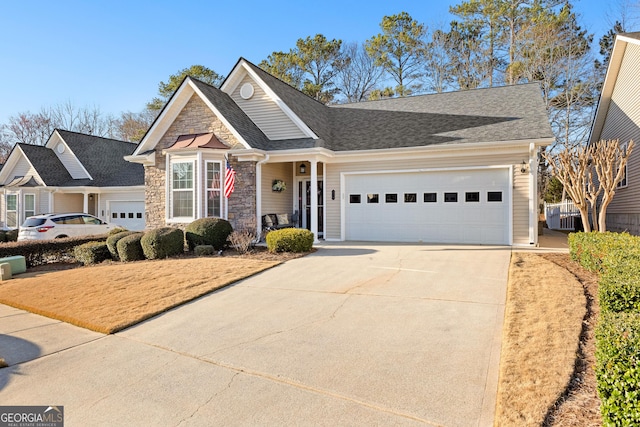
<point x="91" y="136"/>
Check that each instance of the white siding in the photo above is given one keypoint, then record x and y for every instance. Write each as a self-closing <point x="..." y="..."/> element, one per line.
<point x="623" y="123"/>
<point x="71" y="163"/>
<point x="42" y="202"/>
<point x="265" y="113"/>
<point x="22" y="168"/>
<point x="520" y="197"/>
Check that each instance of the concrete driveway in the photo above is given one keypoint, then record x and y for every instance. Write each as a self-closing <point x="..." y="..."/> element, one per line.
<point x="350" y="335"/>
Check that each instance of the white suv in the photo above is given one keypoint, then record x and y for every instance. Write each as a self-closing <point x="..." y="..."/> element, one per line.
<point x="55" y="226"/>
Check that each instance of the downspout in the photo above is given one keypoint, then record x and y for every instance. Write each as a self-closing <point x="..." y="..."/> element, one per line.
<point x="533" y="198"/>
<point x="259" y="194"/>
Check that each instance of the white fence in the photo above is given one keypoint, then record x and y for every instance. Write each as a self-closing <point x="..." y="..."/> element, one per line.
<point x="560" y="216"/>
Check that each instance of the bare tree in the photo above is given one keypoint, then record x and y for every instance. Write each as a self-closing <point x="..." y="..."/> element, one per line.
<point x="5" y="144"/>
<point x="132" y="126"/>
<point x="30" y="128"/>
<point x="609" y="160"/>
<point x="438" y="70"/>
<point x="359" y="76"/>
<point x="570" y="167"/>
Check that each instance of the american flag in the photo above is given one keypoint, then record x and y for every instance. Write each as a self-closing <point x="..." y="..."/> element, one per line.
<point x="229" y="180"/>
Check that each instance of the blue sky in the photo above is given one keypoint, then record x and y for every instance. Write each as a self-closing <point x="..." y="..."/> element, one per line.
<point x="112" y="54"/>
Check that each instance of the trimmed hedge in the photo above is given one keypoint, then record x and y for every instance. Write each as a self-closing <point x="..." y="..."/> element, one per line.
<point x="204" y="250"/>
<point x="11" y="235"/>
<point x="616" y="256"/>
<point x="38" y="252"/>
<point x="129" y="248"/>
<point x="112" y="242"/>
<point x="91" y="253"/>
<point x="162" y="243"/>
<point x="208" y="231"/>
<point x="618" y="368"/>
<point x="290" y="240"/>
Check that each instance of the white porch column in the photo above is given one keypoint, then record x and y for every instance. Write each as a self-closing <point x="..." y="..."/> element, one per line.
<point x="314" y="200"/>
<point x="85" y="203"/>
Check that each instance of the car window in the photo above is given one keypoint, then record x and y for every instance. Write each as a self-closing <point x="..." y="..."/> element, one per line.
<point x="73" y="219"/>
<point x="34" y="222"/>
<point x="91" y="220"/>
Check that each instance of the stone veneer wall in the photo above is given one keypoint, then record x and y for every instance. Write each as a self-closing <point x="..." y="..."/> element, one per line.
<point x="196" y="117"/>
<point x="242" y="203"/>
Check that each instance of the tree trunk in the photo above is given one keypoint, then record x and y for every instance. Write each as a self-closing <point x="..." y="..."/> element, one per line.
<point x="584" y="213"/>
<point x="602" y="217"/>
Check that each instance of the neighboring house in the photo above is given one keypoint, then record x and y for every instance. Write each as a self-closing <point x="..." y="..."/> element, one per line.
<point x="618" y="117"/>
<point x="73" y="172"/>
<point x="456" y="167"/>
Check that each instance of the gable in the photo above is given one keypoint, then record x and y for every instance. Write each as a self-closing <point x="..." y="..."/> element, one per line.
<point x="623" y="115"/>
<point x="18" y="166"/>
<point x="66" y="156"/>
<point x="263" y="111"/>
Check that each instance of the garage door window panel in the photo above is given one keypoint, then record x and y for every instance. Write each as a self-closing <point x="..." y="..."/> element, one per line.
<point x="472" y="197"/>
<point x="494" y="196"/>
<point x="391" y="198"/>
<point x="372" y="198"/>
<point x="450" y="197"/>
<point x="410" y="197"/>
<point x="354" y="198"/>
<point x="430" y="197"/>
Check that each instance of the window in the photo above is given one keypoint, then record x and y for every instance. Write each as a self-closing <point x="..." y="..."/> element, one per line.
<point x="12" y="210"/>
<point x="139" y="215"/>
<point x="372" y="198"/>
<point x="430" y="197"/>
<point x="182" y="190"/>
<point x="29" y="205"/>
<point x="623" y="181"/>
<point x="130" y="215"/>
<point x="494" y="196"/>
<point x="114" y="215"/>
<point x="472" y="196"/>
<point x="450" y="197"/>
<point x="214" y="195"/>
<point x="354" y="198"/>
<point x="410" y="198"/>
<point x="391" y="198"/>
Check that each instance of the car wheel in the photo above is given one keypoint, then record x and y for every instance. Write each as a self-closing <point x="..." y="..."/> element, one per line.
<point x="62" y="236"/>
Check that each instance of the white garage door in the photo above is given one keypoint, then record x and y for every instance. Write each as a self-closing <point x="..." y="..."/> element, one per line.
<point x="129" y="215"/>
<point x="470" y="206"/>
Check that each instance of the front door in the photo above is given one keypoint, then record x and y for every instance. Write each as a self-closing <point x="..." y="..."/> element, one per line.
<point x="304" y="205"/>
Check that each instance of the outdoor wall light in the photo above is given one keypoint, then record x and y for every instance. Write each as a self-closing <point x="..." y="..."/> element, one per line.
<point x="333" y="194"/>
<point x="303" y="168"/>
<point x="523" y="167"/>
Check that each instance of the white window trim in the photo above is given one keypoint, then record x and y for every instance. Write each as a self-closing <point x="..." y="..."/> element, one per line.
<point x="181" y="219"/>
<point x="17" y="209"/>
<point x="24" y="205"/>
<point x="626" y="171"/>
<point x="220" y="188"/>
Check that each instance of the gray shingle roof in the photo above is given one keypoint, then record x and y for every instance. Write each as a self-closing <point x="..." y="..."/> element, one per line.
<point x="234" y="114"/>
<point x="103" y="158"/>
<point x="482" y="115"/>
<point x="46" y="163"/>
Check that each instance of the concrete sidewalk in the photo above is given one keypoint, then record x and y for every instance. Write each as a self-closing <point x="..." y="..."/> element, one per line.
<point x="353" y="334"/>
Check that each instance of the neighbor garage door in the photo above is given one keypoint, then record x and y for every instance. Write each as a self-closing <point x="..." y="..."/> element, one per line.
<point x="129" y="215"/>
<point x="469" y="206"/>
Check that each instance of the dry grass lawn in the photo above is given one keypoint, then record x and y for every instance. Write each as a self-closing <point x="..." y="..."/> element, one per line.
<point x="111" y="297"/>
<point x="543" y="321"/>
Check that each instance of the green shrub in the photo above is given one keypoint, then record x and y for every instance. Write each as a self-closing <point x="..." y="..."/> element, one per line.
<point x="112" y="242"/>
<point x="129" y="248"/>
<point x="290" y="240"/>
<point x="592" y="249"/>
<point x="204" y="250"/>
<point x="3" y="236"/>
<point x="208" y="231"/>
<point x="619" y="287"/>
<point x="11" y="235"/>
<point x="618" y="368"/>
<point x="117" y="230"/>
<point x="162" y="243"/>
<point x="91" y="253"/>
